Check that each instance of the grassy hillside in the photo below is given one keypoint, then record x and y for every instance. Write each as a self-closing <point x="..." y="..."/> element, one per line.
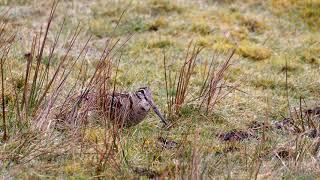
<point x="261" y="60"/>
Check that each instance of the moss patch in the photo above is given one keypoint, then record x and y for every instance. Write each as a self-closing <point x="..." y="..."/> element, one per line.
<point x="254" y="51"/>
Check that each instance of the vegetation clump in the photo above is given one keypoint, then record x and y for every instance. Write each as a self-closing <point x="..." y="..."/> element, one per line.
<point x="165" y="6"/>
<point x="165" y="43"/>
<point x="201" y="28"/>
<point x="304" y="10"/>
<point x="311" y="55"/>
<point x="252" y="24"/>
<point x="254" y="51"/>
<point x="158" y="23"/>
<point x="239" y="34"/>
<point x="283" y="63"/>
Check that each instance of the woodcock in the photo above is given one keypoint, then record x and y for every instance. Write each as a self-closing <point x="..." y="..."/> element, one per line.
<point x="127" y="109"/>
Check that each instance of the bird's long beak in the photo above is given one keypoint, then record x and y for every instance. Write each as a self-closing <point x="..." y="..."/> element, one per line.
<point x="156" y="110"/>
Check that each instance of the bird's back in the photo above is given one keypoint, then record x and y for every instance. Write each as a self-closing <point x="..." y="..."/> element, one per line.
<point x="124" y="109"/>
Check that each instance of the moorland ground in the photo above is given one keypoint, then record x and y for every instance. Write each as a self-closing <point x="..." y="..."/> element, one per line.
<point x="275" y="67"/>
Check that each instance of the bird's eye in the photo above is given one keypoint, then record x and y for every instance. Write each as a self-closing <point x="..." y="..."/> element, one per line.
<point x="142" y="91"/>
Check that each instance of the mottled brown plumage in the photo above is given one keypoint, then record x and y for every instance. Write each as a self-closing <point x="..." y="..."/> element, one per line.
<point x="129" y="109"/>
<point x="122" y="109"/>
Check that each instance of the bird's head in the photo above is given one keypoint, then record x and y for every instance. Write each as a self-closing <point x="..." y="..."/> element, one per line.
<point x="145" y="93"/>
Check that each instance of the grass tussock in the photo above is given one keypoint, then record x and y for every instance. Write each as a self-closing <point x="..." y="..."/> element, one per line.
<point x="254" y="51"/>
<point x="211" y="86"/>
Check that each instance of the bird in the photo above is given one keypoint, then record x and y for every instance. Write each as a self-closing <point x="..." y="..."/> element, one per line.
<point x="128" y="109"/>
<point x="125" y="109"/>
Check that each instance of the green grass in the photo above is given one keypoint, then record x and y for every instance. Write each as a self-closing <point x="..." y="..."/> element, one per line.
<point x="270" y="42"/>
